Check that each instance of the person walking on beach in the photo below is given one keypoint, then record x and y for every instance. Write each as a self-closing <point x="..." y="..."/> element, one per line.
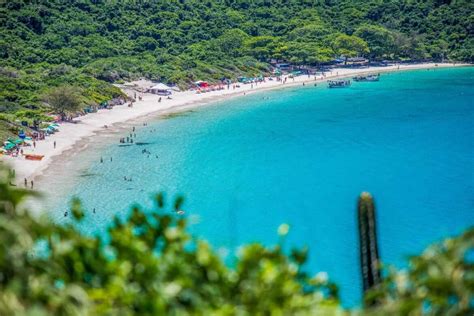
<point x="54" y="144"/>
<point x="159" y="99"/>
<point x="26" y="183"/>
<point x="34" y="144"/>
<point x="32" y="184"/>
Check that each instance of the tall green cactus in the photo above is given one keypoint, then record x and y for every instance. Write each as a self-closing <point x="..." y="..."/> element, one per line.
<point x="369" y="255"/>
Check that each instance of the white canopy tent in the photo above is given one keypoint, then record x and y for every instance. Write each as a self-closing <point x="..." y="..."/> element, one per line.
<point x="160" y="89"/>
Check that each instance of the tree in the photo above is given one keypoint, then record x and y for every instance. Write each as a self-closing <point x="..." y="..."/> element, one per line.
<point x="307" y="53"/>
<point x="64" y="100"/>
<point x="261" y="47"/>
<point x="439" y="50"/>
<point x="349" y="46"/>
<point x="231" y="42"/>
<point x="379" y="39"/>
<point x="311" y="32"/>
<point x="438" y="282"/>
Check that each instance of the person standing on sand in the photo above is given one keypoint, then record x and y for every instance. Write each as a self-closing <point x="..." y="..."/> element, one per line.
<point x="32" y="184"/>
<point x="54" y="144"/>
<point x="34" y="144"/>
<point x="26" y="183"/>
<point x="159" y="99"/>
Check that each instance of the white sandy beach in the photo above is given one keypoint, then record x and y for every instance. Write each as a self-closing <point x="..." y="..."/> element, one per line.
<point x="86" y="126"/>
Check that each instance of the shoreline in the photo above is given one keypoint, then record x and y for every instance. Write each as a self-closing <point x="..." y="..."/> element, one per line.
<point x="90" y="125"/>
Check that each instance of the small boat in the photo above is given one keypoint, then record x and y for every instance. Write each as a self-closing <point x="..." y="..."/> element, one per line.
<point x="368" y="78"/>
<point x="339" y="83"/>
<point x="33" y="156"/>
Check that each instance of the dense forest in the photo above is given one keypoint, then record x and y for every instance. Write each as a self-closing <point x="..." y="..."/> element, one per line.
<point x="90" y="44"/>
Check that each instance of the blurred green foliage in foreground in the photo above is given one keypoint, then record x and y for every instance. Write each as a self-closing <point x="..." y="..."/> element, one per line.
<point x="151" y="266"/>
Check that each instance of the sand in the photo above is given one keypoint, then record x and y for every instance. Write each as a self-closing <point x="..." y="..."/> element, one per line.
<point x="89" y="125"/>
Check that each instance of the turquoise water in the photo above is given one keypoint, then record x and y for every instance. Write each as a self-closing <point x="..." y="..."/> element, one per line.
<point x="302" y="156"/>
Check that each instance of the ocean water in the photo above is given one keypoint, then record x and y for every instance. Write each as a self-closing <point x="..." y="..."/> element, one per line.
<point x="299" y="156"/>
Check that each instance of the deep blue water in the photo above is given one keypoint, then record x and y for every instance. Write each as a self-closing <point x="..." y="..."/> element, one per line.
<point x="302" y="157"/>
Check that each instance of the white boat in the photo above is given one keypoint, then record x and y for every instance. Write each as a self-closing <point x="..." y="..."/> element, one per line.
<point x="367" y="78"/>
<point x="339" y="83"/>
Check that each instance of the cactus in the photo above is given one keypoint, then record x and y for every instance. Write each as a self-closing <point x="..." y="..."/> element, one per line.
<point x="369" y="256"/>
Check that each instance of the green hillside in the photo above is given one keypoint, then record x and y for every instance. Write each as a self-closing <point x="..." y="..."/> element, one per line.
<point x="90" y="44"/>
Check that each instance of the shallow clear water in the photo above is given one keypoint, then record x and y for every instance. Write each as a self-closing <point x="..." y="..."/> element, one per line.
<point x="302" y="157"/>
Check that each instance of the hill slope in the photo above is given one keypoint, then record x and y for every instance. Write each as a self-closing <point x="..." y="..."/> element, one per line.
<point x="92" y="43"/>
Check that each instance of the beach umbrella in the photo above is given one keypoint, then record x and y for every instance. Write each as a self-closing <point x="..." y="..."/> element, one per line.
<point x="15" y="141"/>
<point x="9" y="146"/>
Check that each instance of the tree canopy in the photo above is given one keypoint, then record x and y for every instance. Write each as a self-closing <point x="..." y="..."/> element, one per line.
<point x="90" y="44"/>
<point x="64" y="100"/>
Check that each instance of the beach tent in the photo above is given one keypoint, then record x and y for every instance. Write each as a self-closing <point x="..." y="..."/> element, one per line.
<point x="202" y="84"/>
<point x="160" y="89"/>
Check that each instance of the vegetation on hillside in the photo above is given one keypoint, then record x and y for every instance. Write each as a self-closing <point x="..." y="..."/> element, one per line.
<point x="90" y="44"/>
<point x="150" y="265"/>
